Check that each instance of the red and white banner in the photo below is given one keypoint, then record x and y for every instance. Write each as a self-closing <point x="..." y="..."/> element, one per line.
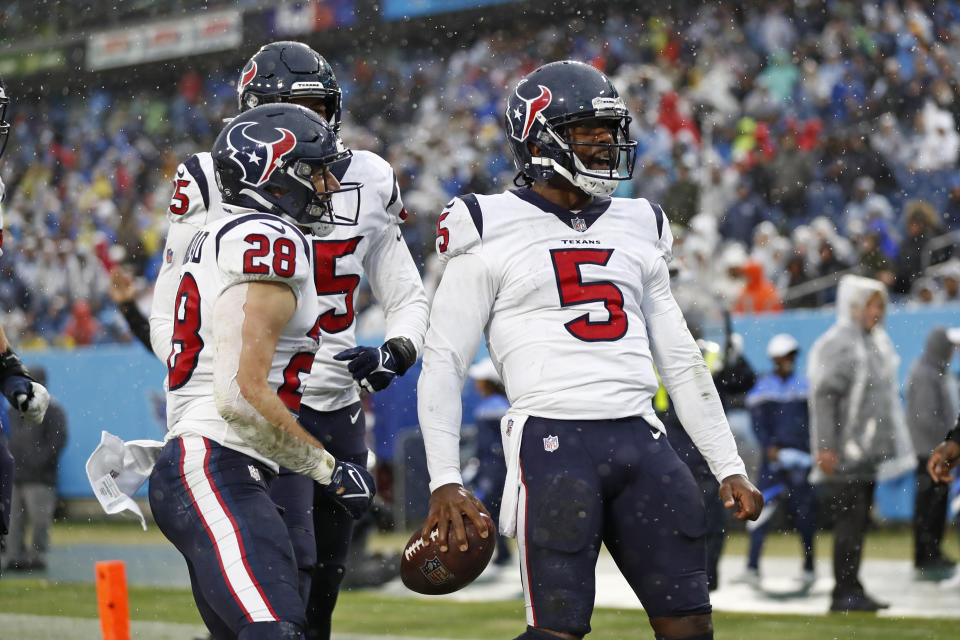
<point x="201" y="32"/>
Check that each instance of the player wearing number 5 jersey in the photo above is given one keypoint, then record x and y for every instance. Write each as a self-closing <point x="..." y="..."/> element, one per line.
<point x="572" y="290"/>
<point x="366" y="244"/>
<point x="245" y="331"/>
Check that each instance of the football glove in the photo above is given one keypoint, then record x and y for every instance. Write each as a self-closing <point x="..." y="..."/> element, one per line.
<point x="351" y="487"/>
<point x="30" y="398"/>
<point x="26" y="395"/>
<point x="375" y="367"/>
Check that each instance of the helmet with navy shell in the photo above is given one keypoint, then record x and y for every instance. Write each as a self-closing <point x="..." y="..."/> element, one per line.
<point x="275" y="158"/>
<point x="550" y="99"/>
<point x="286" y="70"/>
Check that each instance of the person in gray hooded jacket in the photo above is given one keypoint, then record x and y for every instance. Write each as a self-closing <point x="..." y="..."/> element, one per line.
<point x="931" y="411"/>
<point x="857" y="431"/>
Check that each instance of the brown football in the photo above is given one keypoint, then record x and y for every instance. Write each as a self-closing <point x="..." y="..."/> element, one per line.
<point x="425" y="569"/>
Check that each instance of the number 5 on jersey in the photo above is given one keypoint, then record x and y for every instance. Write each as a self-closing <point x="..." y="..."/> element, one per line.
<point x="574" y="291"/>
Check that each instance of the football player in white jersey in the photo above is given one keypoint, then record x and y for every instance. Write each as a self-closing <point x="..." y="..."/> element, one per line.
<point x="572" y="290"/>
<point x="246" y="329"/>
<point x="373" y="246"/>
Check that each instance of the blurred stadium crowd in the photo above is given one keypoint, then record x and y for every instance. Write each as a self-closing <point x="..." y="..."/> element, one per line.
<point x="788" y="142"/>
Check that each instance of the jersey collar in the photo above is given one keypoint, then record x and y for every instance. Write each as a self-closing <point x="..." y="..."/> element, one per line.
<point x="577" y="220"/>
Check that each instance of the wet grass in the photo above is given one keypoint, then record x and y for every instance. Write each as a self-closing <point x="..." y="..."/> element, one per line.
<point x="368" y="613"/>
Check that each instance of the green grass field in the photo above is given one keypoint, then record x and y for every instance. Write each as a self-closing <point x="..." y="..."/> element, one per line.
<point x="366" y="612"/>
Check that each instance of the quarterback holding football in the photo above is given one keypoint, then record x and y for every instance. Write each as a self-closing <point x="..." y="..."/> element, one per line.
<point x="571" y="287"/>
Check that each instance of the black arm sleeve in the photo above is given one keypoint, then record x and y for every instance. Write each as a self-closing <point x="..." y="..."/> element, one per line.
<point x="10" y="365"/>
<point x="138" y="323"/>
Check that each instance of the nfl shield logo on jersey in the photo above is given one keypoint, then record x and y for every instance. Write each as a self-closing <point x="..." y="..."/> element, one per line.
<point x="551" y="443"/>
<point x="579" y="224"/>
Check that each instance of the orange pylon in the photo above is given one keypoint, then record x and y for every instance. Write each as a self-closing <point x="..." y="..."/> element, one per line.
<point x="112" y="600"/>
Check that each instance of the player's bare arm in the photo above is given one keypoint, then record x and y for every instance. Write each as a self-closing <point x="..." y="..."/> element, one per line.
<point x="244" y="398"/>
<point x="448" y="504"/>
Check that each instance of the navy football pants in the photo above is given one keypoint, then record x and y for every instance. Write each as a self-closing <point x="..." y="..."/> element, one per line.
<point x="213" y="504"/>
<point x="616" y="482"/>
<point x="320" y="529"/>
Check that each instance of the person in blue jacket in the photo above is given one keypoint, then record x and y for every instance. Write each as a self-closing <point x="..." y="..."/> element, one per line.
<point x="778" y="407"/>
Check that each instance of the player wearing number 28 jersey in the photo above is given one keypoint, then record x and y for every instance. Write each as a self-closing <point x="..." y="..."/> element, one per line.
<point x="366" y="244"/>
<point x="245" y="331"/>
<point x="572" y="290"/>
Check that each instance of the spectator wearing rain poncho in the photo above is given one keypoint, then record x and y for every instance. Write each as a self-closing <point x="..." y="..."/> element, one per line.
<point x="857" y="430"/>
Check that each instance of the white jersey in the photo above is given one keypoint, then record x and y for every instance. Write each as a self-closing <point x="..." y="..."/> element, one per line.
<point x="245" y="246"/>
<point x="576" y="307"/>
<point x="194" y="203"/>
<point x="566" y="329"/>
<point x="373" y="246"/>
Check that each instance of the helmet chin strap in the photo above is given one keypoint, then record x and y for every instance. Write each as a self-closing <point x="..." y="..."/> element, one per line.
<point x="588" y="184"/>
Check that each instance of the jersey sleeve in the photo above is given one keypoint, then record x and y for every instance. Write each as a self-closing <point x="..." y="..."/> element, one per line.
<point x="460" y="311"/>
<point x="396" y="284"/>
<point x="393" y="202"/>
<point x="190" y="199"/>
<point x="262" y="251"/>
<point x="458" y="229"/>
<point x="664" y="241"/>
<point x="687" y="377"/>
<point x="165" y="288"/>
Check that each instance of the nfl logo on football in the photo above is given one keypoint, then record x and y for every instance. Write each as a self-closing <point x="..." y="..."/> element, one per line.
<point x="551" y="443"/>
<point x="435" y="572"/>
<point x="579" y="224"/>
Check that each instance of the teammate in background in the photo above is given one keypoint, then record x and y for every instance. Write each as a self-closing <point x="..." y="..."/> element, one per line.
<point x="24" y="394"/>
<point x="572" y="289"/>
<point x="778" y="409"/>
<point x="491" y="465"/>
<point x="244" y="337"/>
<point x="330" y="409"/>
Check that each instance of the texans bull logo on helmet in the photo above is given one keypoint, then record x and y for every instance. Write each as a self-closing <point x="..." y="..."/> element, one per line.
<point x="248" y="75"/>
<point x="522" y="118"/>
<point x="258" y="158"/>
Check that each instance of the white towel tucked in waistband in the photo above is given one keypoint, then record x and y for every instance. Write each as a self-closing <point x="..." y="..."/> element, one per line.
<point x="117" y="469"/>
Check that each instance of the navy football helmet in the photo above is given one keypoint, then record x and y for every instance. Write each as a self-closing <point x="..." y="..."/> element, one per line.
<point x="268" y="159"/>
<point x="554" y="97"/>
<point x="4" y="125"/>
<point x="285" y="70"/>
